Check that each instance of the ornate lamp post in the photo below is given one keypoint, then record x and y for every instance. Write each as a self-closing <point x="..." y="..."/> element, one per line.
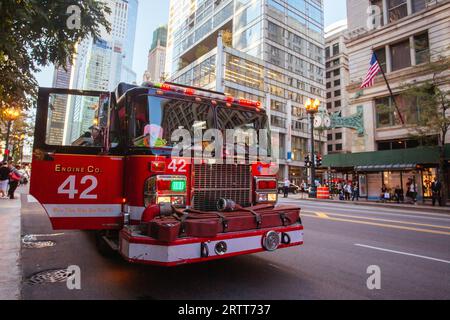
<point x="10" y="115"/>
<point x="312" y="107"/>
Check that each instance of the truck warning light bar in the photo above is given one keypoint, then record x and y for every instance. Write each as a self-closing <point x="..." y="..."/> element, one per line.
<point x="205" y="94"/>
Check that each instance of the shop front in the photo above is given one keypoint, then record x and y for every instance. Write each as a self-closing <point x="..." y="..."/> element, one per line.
<point x="392" y="169"/>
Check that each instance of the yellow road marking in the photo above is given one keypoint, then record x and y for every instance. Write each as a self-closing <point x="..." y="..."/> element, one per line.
<point x="382" y="225"/>
<point x="322" y="215"/>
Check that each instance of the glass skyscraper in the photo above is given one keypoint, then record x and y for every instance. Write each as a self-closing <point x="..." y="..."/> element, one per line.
<point x="100" y="65"/>
<point x="273" y="52"/>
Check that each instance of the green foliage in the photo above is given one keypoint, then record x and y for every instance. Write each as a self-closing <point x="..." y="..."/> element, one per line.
<point x="35" y="33"/>
<point x="433" y="100"/>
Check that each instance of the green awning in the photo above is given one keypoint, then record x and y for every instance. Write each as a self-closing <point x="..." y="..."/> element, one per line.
<point x="386" y="167"/>
<point x="386" y="160"/>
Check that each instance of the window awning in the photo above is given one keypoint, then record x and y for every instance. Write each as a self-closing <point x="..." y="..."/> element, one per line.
<point x="386" y="167"/>
<point x="403" y="159"/>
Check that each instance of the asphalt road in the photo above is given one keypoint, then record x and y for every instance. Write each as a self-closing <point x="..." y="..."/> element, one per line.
<point x="411" y="249"/>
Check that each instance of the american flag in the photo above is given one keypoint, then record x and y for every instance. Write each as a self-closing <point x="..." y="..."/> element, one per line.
<point x="372" y="73"/>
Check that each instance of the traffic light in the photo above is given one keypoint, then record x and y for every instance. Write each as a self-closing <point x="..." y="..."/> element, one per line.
<point x="307" y="161"/>
<point x="319" y="160"/>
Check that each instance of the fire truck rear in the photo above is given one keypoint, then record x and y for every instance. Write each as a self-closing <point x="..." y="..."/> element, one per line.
<point x="144" y="169"/>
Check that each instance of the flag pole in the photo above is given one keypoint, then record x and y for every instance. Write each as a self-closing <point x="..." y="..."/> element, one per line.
<point x="390" y="90"/>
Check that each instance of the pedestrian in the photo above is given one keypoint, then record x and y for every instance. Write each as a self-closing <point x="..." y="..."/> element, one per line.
<point x="4" y="179"/>
<point x="14" y="179"/>
<point x="287" y="184"/>
<point x="348" y="191"/>
<point x="384" y="196"/>
<point x="412" y="190"/>
<point x="355" y="194"/>
<point x="398" y="194"/>
<point x="341" y="191"/>
<point x="436" y="188"/>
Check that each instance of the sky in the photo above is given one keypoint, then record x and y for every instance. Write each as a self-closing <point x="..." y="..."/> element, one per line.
<point x="153" y="13"/>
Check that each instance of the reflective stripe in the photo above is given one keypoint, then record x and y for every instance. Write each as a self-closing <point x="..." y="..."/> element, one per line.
<point x="83" y="210"/>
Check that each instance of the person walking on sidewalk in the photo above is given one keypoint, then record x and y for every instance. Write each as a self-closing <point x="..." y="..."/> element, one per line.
<point x="287" y="184"/>
<point x="355" y="194"/>
<point x="4" y="179"/>
<point x="436" y="188"/>
<point x="412" y="190"/>
<point x="14" y="179"/>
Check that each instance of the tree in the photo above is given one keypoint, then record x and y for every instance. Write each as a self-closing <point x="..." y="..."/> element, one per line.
<point x="433" y="98"/>
<point x="36" y="33"/>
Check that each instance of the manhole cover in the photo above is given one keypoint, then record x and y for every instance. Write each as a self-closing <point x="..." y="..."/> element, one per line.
<point x="49" y="276"/>
<point x="37" y="244"/>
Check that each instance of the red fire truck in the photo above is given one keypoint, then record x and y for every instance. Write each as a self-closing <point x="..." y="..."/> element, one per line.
<point x="105" y="162"/>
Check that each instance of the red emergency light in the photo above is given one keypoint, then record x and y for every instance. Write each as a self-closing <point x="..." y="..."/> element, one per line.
<point x="267" y="185"/>
<point x="214" y="97"/>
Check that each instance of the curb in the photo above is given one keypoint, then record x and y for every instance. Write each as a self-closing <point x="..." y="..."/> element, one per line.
<point x="383" y="205"/>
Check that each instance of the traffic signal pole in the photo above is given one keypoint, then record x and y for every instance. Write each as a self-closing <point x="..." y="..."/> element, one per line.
<point x="312" y="190"/>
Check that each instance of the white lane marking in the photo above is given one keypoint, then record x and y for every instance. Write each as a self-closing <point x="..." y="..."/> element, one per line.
<point x="445" y="217"/>
<point x="403" y="253"/>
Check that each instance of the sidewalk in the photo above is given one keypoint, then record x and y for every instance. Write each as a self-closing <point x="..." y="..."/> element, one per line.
<point x="363" y="202"/>
<point x="10" y="244"/>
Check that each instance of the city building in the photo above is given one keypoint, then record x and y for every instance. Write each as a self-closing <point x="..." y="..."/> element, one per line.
<point x="339" y="140"/>
<point x="266" y="50"/>
<point x="405" y="35"/>
<point x="157" y="56"/>
<point x="98" y="65"/>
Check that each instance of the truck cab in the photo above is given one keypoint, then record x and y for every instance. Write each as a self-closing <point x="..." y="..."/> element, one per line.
<point x="103" y="160"/>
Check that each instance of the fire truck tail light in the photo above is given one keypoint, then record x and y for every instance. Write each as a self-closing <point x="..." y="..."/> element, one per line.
<point x="165" y="189"/>
<point x="164" y="185"/>
<point x="266" y="184"/>
<point x="266" y="197"/>
<point x="174" y="200"/>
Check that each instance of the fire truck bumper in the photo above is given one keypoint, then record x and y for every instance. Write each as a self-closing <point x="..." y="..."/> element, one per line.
<point x="136" y="248"/>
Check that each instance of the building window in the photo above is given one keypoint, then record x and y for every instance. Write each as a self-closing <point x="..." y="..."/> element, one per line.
<point x="384" y="112"/>
<point x="330" y="148"/>
<point x="328" y="85"/>
<point x="339" y="136"/>
<point x="327" y="52"/>
<point x="337" y="104"/>
<point x="328" y="95"/>
<point x="330" y="137"/>
<point x="329" y="105"/>
<point x="328" y="75"/>
<point x="339" y="147"/>
<point x="379" y="18"/>
<point x="337" y="82"/>
<point x="397" y="9"/>
<point x="336" y="62"/>
<point x="401" y="55"/>
<point x="381" y="56"/>
<point x="418" y="5"/>
<point x="335" y="49"/>
<point x="337" y="93"/>
<point x="422" y="48"/>
<point x="337" y="72"/>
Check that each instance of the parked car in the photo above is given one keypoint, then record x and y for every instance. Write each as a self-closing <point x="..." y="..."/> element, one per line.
<point x="292" y="188"/>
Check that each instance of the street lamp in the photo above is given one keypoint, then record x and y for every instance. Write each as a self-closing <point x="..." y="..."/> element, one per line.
<point x="312" y="107"/>
<point x="10" y="115"/>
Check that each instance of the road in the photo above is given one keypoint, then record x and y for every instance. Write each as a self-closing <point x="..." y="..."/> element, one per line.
<point x="411" y="249"/>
